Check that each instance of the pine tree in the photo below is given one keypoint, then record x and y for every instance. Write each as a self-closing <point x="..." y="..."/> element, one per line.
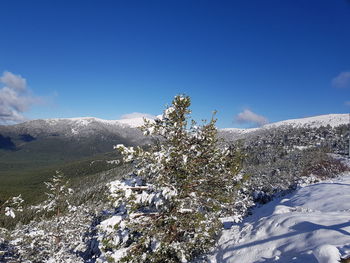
<point x="168" y="209"/>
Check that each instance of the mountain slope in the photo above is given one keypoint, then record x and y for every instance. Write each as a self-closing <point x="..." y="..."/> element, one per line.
<point x="45" y="142"/>
<point x="325" y="131"/>
<point x="30" y="152"/>
<point x="58" y="140"/>
<point x="290" y="229"/>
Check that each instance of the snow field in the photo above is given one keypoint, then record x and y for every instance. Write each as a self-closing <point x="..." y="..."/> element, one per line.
<point x="302" y="227"/>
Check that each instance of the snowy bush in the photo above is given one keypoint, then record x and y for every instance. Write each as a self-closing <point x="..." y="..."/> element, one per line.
<point x="56" y="234"/>
<point x="276" y="169"/>
<point x="57" y="240"/>
<point x="57" y="196"/>
<point x="12" y="205"/>
<point x="323" y="166"/>
<point x="168" y="210"/>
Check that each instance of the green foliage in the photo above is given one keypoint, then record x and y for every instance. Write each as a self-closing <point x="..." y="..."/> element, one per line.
<point x="29" y="181"/>
<point x="322" y="165"/>
<point x="183" y="183"/>
<point x="90" y="187"/>
<point x="54" y="231"/>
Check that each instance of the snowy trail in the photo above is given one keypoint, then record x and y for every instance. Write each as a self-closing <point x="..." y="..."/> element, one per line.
<point x="289" y="229"/>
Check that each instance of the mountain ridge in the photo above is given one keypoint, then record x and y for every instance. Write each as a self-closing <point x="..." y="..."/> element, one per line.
<point x="73" y="138"/>
<point x="333" y="119"/>
<point x="313" y="121"/>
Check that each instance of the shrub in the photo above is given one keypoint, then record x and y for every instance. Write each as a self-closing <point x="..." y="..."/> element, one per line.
<point x="55" y="234"/>
<point x="323" y="166"/>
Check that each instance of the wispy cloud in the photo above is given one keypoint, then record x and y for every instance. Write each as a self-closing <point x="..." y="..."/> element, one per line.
<point x="137" y="115"/>
<point x="15" y="98"/>
<point x="347" y="103"/>
<point x="247" y="116"/>
<point x="342" y="81"/>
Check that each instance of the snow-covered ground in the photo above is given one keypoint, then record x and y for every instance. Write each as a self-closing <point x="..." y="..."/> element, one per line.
<point x="292" y="228"/>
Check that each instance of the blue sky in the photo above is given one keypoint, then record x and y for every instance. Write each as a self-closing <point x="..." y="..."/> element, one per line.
<point x="272" y="59"/>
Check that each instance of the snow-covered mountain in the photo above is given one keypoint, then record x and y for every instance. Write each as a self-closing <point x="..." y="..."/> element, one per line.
<point x="86" y="121"/>
<point x="73" y="138"/>
<point x="328" y="131"/>
<point x="88" y="125"/>
<point x="333" y="120"/>
<point x="127" y="129"/>
<point x="78" y="126"/>
<point x="77" y="129"/>
<point x="314" y="122"/>
<point x="44" y="142"/>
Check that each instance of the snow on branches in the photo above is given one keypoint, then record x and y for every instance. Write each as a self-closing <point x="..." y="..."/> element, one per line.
<point x="168" y="210"/>
<point x="54" y="235"/>
<point x="12" y="205"/>
<point x="57" y="195"/>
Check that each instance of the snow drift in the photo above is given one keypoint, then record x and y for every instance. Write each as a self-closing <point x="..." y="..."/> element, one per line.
<point x="296" y="228"/>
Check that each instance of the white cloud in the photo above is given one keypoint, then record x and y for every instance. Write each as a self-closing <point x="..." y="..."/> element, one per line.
<point x="15" y="98"/>
<point x="247" y="116"/>
<point x="12" y="81"/>
<point x="342" y="81"/>
<point x="137" y="115"/>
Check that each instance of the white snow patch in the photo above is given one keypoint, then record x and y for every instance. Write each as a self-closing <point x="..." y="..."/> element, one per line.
<point x="116" y="255"/>
<point x="239" y="131"/>
<point x="74" y="131"/>
<point x="302" y="227"/>
<point x="113" y="162"/>
<point x="327" y="254"/>
<point x="301" y="147"/>
<point x="108" y="224"/>
<point x="134" y="123"/>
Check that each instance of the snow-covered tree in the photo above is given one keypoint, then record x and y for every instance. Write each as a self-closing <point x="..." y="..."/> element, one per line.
<point x="168" y="210"/>
<point x="57" y="195"/>
<point x="12" y="205"/>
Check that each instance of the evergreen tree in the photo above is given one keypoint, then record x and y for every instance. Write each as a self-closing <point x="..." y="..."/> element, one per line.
<point x="168" y="209"/>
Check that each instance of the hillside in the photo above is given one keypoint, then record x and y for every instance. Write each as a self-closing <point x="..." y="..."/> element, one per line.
<point x="30" y="152"/>
<point x="41" y="141"/>
<point x="45" y="142"/>
<point x="292" y="227"/>
<point x="329" y="120"/>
